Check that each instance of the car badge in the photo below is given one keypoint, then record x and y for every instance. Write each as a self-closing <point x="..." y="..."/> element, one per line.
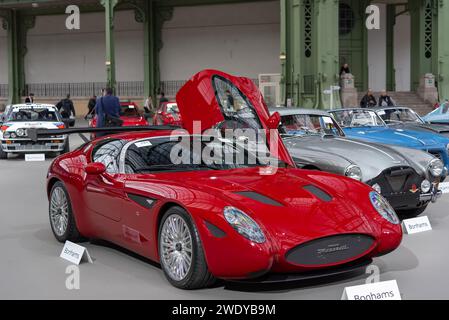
<point x="414" y="189"/>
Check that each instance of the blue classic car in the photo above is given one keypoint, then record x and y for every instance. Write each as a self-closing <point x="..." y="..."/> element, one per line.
<point x="440" y="115"/>
<point x="366" y="125"/>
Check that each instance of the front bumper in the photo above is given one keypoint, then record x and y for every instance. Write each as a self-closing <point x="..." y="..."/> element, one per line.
<point x="28" y="146"/>
<point x="341" y="270"/>
<point x="432" y="196"/>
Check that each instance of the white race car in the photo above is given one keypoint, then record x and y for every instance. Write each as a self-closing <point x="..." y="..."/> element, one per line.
<point x="21" y="117"/>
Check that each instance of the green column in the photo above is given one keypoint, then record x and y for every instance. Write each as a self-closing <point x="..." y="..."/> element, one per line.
<point x="17" y="27"/>
<point x="443" y="49"/>
<point x="391" y="21"/>
<point x="423" y="22"/>
<point x="292" y="48"/>
<point x="149" y="52"/>
<point x="327" y="51"/>
<point x="109" y="6"/>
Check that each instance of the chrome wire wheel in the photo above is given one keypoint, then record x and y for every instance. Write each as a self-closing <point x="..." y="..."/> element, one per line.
<point x="176" y="247"/>
<point x="59" y="211"/>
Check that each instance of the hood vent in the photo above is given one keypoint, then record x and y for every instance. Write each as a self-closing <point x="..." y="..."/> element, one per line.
<point x="259" y="197"/>
<point x="319" y="193"/>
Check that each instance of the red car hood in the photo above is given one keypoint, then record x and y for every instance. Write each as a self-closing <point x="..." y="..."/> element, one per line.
<point x="133" y="121"/>
<point x="299" y="212"/>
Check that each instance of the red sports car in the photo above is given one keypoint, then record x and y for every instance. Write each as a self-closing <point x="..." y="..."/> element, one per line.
<point x="168" y="114"/>
<point x="202" y="220"/>
<point x="130" y="114"/>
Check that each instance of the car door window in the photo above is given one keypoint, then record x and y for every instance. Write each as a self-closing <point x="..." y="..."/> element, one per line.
<point x="108" y="154"/>
<point x="234" y="105"/>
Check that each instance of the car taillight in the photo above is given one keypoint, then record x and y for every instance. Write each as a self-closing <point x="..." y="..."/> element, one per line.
<point x="61" y="126"/>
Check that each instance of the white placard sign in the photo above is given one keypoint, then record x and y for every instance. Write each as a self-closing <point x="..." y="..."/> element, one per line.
<point x="416" y="225"/>
<point x="75" y="253"/>
<point x="35" y="157"/>
<point x="385" y="290"/>
<point x="444" y="187"/>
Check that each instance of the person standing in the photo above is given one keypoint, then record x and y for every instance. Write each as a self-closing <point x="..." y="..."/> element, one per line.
<point x="344" y="69"/>
<point x="368" y="100"/>
<point x="66" y="108"/>
<point x="91" y="106"/>
<point x="30" y="98"/>
<point x="385" y="100"/>
<point x="149" y="106"/>
<point x="107" y="109"/>
<point x="162" y="99"/>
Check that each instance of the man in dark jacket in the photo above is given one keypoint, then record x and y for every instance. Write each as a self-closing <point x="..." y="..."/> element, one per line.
<point x="385" y="100"/>
<point x="108" y="105"/>
<point x="30" y="98"/>
<point x="368" y="100"/>
<point x="91" y="106"/>
<point x="66" y="107"/>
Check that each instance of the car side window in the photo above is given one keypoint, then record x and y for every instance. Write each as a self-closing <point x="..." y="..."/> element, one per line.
<point x="108" y="153"/>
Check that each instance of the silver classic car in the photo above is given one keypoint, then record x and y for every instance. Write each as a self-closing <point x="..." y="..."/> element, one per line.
<point x="408" y="178"/>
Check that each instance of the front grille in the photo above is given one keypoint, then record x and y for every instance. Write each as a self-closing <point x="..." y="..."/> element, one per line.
<point x="400" y="186"/>
<point x="330" y="250"/>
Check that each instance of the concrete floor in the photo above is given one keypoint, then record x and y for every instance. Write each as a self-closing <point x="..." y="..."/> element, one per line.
<point x="30" y="267"/>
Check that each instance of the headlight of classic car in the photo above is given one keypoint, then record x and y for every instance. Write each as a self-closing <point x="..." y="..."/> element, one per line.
<point x="243" y="224"/>
<point x="426" y="186"/>
<point x="6" y="135"/>
<point x="436" y="167"/>
<point x="354" y="172"/>
<point x="383" y="207"/>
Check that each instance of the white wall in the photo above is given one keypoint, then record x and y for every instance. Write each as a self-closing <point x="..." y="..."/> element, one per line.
<point x="377" y="52"/>
<point x="56" y="54"/>
<point x="240" y="38"/>
<point x="402" y="49"/>
<point x="3" y="56"/>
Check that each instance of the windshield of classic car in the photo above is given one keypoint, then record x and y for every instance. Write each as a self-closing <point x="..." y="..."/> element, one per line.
<point x="129" y="111"/>
<point x="33" y="115"/>
<point x="305" y="124"/>
<point x="188" y="154"/>
<point x="399" y="116"/>
<point x="357" y="118"/>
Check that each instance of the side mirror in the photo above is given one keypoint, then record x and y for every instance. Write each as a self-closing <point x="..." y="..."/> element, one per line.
<point x="274" y="121"/>
<point x="95" y="168"/>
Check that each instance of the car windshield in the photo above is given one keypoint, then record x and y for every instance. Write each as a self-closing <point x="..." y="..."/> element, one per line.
<point x="189" y="154"/>
<point x="129" y="110"/>
<point x="172" y="108"/>
<point x="33" y="115"/>
<point x="235" y="106"/>
<point x="399" y="116"/>
<point x="309" y="124"/>
<point x="357" y="118"/>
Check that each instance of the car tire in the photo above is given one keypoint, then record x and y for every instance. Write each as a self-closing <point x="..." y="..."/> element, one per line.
<point x="60" y="201"/>
<point x="3" y="154"/>
<point x="411" y="213"/>
<point x="197" y="275"/>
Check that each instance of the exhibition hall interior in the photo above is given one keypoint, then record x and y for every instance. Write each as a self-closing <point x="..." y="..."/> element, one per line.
<point x="224" y="150"/>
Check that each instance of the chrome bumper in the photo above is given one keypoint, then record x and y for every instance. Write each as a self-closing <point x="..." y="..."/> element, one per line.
<point x="432" y="196"/>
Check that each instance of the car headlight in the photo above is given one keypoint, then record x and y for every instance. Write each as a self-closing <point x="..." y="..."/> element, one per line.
<point x="13" y="135"/>
<point x="20" y="132"/>
<point x="6" y="135"/>
<point x="426" y="186"/>
<point x="243" y="224"/>
<point x="378" y="188"/>
<point x="354" y="172"/>
<point x="436" y="167"/>
<point x="383" y="207"/>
